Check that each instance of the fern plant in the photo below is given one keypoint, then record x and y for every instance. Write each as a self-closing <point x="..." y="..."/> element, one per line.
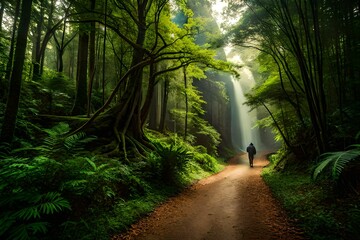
<point x="342" y="167"/>
<point x="354" y="218"/>
<point x="56" y="145"/>
<point x="25" y="204"/>
<point x="93" y="180"/>
<point x="336" y="162"/>
<point x="174" y="160"/>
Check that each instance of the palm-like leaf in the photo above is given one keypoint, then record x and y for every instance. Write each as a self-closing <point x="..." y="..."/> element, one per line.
<point x="338" y="161"/>
<point x="24" y="231"/>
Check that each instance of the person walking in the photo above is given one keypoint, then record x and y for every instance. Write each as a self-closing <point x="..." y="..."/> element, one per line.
<point x="251" y="152"/>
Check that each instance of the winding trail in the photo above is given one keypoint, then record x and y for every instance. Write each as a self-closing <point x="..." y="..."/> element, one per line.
<point x="234" y="204"/>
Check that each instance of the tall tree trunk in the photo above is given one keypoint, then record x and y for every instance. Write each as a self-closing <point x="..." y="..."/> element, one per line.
<point x="13" y="41"/>
<point x="37" y="43"/>
<point x="186" y="104"/>
<point x="134" y="91"/>
<point x="307" y="47"/>
<point x="155" y="109"/>
<point x="149" y="95"/>
<point x="164" y="105"/>
<point x="71" y="63"/>
<point x="12" y="104"/>
<point x="81" y="75"/>
<point x="104" y="55"/>
<point x="2" y="8"/>
<point x="49" y="25"/>
<point x="91" y="59"/>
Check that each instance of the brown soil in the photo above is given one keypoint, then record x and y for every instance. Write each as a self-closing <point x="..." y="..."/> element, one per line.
<point x="233" y="204"/>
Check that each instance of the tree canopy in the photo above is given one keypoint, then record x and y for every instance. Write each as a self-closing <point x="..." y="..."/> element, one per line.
<point x="309" y="69"/>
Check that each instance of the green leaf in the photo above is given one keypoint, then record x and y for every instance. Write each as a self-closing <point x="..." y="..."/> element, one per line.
<point x="28" y="213"/>
<point x="338" y="161"/>
<point x="7" y="219"/>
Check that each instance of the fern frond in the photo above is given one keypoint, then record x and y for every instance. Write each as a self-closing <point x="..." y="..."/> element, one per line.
<point x="38" y="227"/>
<point x="78" y="186"/>
<point x="72" y="141"/>
<point x="342" y="160"/>
<point x="25" y="149"/>
<point x="28" y="213"/>
<point x="91" y="163"/>
<point x="5" y="149"/>
<point x="52" y="144"/>
<point x="109" y="192"/>
<point x="104" y="166"/>
<point x="22" y="232"/>
<point x="59" y="129"/>
<point x="52" y="202"/>
<point x="337" y="161"/>
<point x="6" y="221"/>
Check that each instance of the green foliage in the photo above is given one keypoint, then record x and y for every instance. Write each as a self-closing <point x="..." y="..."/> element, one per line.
<point x="207" y="162"/>
<point x="130" y="211"/>
<point x="73" y="144"/>
<point x="57" y="130"/>
<point x="57" y="82"/>
<point x="337" y="162"/>
<point x="353" y="221"/>
<point x="60" y="89"/>
<point x="101" y="181"/>
<point x="93" y="185"/>
<point x="317" y="211"/>
<point x="207" y="135"/>
<point x="24" y="201"/>
<point x="90" y="179"/>
<point x="342" y="168"/>
<point x="199" y="153"/>
<point x="174" y="160"/>
<point x="56" y="145"/>
<point x="77" y="141"/>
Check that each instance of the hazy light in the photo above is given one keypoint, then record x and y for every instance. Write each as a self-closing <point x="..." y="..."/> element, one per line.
<point x="218" y="13"/>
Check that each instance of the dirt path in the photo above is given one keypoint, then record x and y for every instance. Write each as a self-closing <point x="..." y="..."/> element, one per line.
<point x="233" y="204"/>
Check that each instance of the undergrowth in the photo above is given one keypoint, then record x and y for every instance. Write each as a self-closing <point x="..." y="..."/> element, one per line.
<point x="318" y="210"/>
<point x="60" y="190"/>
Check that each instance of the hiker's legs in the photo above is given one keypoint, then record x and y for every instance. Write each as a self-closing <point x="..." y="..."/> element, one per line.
<point x="251" y="159"/>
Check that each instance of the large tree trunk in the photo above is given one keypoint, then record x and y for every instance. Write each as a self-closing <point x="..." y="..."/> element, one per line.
<point x="37" y="43"/>
<point x="12" y="104"/>
<point x="104" y="53"/>
<point x="81" y="76"/>
<point x="13" y="41"/>
<point x="134" y="90"/>
<point x="149" y="96"/>
<point x="2" y="8"/>
<point x="91" y="59"/>
<point x="49" y="25"/>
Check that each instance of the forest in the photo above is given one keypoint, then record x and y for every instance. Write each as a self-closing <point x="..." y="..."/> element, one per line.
<point x="109" y="107"/>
